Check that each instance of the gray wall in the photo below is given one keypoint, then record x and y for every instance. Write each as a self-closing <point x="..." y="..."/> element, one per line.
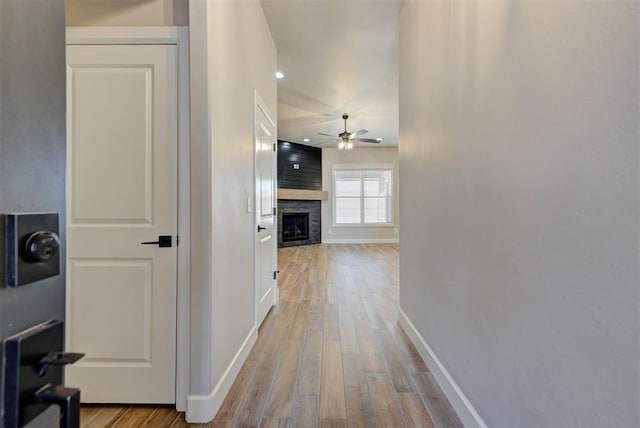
<point x="32" y="142"/>
<point x="519" y="207"/>
<point x="222" y="179"/>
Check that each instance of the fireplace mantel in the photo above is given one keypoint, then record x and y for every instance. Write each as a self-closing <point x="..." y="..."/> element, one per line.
<point x="303" y="195"/>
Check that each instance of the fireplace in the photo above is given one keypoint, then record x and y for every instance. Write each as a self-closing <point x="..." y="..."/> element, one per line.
<point x="299" y="194"/>
<point x="295" y="227"/>
<point x="298" y="222"/>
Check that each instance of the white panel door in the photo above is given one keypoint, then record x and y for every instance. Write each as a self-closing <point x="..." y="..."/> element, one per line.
<point x="122" y="191"/>
<point x="266" y="241"/>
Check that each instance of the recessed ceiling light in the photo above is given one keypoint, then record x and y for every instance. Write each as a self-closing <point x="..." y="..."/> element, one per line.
<point x="378" y="139"/>
<point x="306" y="140"/>
<point x="279" y="74"/>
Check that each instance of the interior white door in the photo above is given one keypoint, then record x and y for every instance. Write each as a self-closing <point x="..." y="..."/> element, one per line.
<point x="121" y="193"/>
<point x="266" y="241"/>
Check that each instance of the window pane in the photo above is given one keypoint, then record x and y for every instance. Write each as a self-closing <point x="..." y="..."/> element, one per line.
<point x="358" y="190"/>
<point x="347" y="183"/>
<point x="347" y="210"/>
<point x="377" y="210"/>
<point x="347" y="175"/>
<point x="377" y="183"/>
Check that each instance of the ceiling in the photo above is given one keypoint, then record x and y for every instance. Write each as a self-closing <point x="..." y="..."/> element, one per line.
<point x="338" y="56"/>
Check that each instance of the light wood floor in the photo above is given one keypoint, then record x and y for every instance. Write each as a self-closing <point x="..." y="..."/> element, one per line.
<point x="330" y="354"/>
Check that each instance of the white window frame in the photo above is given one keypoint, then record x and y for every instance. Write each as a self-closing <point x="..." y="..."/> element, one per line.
<point x="359" y="167"/>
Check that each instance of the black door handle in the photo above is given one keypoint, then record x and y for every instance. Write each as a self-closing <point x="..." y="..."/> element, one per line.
<point x="163" y="241"/>
<point x="57" y="359"/>
<point x="261" y="228"/>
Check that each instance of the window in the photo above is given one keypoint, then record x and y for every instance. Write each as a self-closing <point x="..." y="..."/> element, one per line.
<point x="362" y="196"/>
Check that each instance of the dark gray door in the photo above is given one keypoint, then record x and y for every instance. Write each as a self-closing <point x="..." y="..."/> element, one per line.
<point x="32" y="145"/>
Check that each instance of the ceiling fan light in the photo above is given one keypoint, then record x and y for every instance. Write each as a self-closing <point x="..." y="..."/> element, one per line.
<point x="341" y="145"/>
<point x="349" y="145"/>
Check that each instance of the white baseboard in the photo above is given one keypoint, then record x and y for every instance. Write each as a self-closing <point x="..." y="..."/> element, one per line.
<point x="203" y="408"/>
<point x="468" y="415"/>
<point x="361" y="241"/>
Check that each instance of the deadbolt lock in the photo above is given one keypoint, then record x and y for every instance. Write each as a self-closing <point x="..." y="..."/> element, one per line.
<point x="41" y="247"/>
<point x="32" y="247"/>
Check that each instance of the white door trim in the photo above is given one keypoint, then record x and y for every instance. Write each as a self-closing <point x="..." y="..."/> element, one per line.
<point x="178" y="36"/>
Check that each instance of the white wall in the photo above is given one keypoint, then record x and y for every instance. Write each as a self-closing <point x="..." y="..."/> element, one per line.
<point x="378" y="155"/>
<point x="118" y="13"/>
<point x="519" y="165"/>
<point x="232" y="55"/>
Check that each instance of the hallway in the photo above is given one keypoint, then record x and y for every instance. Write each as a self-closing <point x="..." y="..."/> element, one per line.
<point x="331" y="353"/>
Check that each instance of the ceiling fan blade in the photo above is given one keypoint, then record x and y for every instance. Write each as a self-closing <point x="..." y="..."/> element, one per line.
<point x="360" y="132"/>
<point x="328" y="135"/>
<point x="367" y="140"/>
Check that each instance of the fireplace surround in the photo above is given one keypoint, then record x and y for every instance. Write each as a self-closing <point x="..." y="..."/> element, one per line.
<point x="295" y="210"/>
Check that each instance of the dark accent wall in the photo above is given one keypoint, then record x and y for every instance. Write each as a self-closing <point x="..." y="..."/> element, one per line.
<point x="308" y="175"/>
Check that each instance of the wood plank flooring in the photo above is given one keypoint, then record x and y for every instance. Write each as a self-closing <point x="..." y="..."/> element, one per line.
<point x="330" y="354"/>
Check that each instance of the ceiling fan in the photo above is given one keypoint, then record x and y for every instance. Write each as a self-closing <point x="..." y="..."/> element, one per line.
<point x="346" y="139"/>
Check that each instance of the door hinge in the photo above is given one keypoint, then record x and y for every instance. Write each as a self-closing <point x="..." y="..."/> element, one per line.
<point x="275" y="274"/>
<point x="274" y="147"/>
<point x="274" y="211"/>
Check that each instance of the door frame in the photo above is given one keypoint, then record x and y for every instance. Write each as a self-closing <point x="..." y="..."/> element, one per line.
<point x="259" y="104"/>
<point x="178" y="36"/>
